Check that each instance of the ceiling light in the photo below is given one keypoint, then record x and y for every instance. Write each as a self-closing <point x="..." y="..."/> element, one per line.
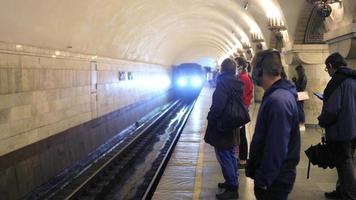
<point x="19" y="47"/>
<point x="246" y="5"/>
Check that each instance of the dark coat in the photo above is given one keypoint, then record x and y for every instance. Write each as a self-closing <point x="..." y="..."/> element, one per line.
<point x="275" y="147"/>
<point x="338" y="115"/>
<point x="226" y="83"/>
<point x="301" y="83"/>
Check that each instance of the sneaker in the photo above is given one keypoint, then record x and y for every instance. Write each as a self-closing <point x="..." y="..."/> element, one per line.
<point x="228" y="194"/>
<point x="223" y="185"/>
<point x="332" y="195"/>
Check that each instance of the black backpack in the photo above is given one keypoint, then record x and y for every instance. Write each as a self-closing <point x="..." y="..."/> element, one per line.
<point x="235" y="113"/>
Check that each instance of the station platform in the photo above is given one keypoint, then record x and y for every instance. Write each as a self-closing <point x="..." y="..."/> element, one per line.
<point x="193" y="171"/>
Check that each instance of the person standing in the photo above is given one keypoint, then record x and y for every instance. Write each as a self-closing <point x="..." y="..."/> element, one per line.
<point x="225" y="141"/>
<point x="275" y="146"/>
<point x="247" y="97"/>
<point x="339" y="120"/>
<point x="300" y="83"/>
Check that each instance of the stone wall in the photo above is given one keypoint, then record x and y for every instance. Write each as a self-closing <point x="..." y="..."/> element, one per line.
<point x="41" y="95"/>
<point x="312" y="58"/>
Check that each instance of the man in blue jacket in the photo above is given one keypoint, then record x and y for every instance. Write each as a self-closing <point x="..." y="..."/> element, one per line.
<point x="275" y="146"/>
<point x="338" y="117"/>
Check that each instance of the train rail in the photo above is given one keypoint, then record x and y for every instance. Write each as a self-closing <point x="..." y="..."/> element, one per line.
<point x="130" y="170"/>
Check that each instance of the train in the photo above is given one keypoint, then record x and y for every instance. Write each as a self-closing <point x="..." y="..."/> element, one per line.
<point x="188" y="80"/>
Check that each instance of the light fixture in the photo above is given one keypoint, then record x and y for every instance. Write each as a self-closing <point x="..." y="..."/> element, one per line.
<point x="19" y="47"/>
<point x="323" y="6"/>
<point x="257" y="37"/>
<point x="275" y="24"/>
<point x="57" y="53"/>
<point x="54" y="56"/>
<point x="246" y="5"/>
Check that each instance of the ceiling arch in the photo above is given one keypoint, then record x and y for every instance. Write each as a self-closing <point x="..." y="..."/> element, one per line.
<point x="156" y="31"/>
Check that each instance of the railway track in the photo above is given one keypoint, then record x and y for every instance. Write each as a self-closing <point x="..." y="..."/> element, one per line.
<point x="130" y="170"/>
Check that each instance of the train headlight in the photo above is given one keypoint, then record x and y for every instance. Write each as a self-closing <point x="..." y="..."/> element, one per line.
<point x="197" y="82"/>
<point x="182" y="82"/>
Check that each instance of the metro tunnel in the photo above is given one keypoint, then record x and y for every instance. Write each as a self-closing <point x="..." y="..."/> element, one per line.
<point x="109" y="99"/>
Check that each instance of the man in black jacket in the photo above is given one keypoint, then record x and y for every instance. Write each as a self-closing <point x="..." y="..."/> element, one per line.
<point x="338" y="117"/>
<point x="275" y="146"/>
<point x="225" y="141"/>
<point x="300" y="83"/>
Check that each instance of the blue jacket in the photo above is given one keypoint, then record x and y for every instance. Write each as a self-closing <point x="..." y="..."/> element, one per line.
<point x="275" y="146"/>
<point x="338" y="115"/>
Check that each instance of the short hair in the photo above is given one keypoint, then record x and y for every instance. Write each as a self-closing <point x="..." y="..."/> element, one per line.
<point x="335" y="60"/>
<point x="229" y="66"/>
<point x="270" y="62"/>
<point x="300" y="68"/>
<point x="241" y="62"/>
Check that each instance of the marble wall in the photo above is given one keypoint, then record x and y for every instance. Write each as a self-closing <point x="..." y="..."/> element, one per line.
<point x="43" y="92"/>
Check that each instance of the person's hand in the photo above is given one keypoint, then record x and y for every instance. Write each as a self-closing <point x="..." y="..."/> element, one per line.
<point x="260" y="191"/>
<point x="294" y="79"/>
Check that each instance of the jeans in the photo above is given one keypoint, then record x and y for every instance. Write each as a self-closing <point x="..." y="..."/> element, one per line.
<point x="243" y="144"/>
<point x="346" y="170"/>
<point x="228" y="162"/>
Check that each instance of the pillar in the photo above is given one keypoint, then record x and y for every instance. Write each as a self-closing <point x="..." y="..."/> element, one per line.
<point x="312" y="57"/>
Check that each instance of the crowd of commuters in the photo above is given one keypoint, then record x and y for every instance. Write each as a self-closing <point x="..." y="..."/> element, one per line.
<point x="275" y="146"/>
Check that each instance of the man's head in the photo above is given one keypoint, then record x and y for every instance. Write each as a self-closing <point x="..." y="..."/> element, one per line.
<point x="333" y="62"/>
<point x="267" y="67"/>
<point x="300" y="70"/>
<point x="241" y="64"/>
<point x="228" y="66"/>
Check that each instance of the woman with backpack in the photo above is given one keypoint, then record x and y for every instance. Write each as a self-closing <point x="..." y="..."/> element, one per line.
<point x="223" y="139"/>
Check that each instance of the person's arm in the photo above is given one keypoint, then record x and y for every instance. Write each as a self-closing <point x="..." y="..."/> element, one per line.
<point x="280" y="120"/>
<point x="219" y="102"/>
<point x="331" y="109"/>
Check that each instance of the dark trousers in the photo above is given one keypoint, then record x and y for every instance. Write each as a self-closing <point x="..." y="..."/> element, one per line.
<point x="346" y="170"/>
<point x="243" y="144"/>
<point x="228" y="162"/>
<point x="279" y="190"/>
<point x="301" y="113"/>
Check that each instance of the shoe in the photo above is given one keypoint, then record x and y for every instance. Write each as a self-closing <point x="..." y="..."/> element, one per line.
<point x="228" y="194"/>
<point x="332" y="195"/>
<point x="223" y="185"/>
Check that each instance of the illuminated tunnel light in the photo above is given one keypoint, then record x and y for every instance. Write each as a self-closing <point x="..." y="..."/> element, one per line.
<point x="196" y="82"/>
<point x="182" y="82"/>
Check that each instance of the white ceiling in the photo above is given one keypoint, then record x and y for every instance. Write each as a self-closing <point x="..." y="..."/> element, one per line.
<point x="157" y="31"/>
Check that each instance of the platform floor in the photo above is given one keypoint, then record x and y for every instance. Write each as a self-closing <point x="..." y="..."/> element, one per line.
<point x="193" y="171"/>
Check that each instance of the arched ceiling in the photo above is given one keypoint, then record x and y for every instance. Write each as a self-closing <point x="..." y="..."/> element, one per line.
<point x="156" y="31"/>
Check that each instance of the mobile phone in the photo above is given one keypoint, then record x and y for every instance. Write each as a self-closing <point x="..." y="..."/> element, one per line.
<point x="319" y="95"/>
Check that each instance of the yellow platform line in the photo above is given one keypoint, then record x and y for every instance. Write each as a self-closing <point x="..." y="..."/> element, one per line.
<point x="199" y="171"/>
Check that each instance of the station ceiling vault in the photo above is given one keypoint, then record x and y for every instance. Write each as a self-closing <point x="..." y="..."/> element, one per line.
<point x="154" y="31"/>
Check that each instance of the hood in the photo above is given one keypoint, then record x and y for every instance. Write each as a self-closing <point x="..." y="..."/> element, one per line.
<point x="347" y="72"/>
<point x="282" y="84"/>
<point x="231" y="80"/>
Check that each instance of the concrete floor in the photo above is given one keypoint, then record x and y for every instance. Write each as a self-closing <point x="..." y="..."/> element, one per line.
<point x="193" y="171"/>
